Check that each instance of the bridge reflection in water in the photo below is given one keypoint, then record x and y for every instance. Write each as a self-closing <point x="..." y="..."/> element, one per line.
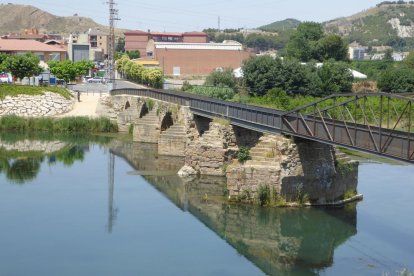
<point x="278" y="241"/>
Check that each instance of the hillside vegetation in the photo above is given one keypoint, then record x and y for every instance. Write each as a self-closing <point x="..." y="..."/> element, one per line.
<point x="15" y="18"/>
<point x="279" y="26"/>
<point x="386" y="24"/>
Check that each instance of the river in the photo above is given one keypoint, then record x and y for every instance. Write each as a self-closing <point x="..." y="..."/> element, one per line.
<point x="100" y="206"/>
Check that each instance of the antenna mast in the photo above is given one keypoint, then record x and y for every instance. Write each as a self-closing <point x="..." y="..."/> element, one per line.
<point x="113" y="16"/>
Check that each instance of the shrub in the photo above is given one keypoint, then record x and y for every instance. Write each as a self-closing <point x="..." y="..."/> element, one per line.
<point x="222" y="93"/>
<point x="243" y="154"/>
<point x="263" y="195"/>
<point x="223" y="78"/>
<point x="62" y="125"/>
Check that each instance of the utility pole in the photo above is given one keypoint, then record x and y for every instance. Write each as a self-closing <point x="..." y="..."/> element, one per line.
<point x="111" y="210"/>
<point x="218" y="24"/>
<point x="113" y="16"/>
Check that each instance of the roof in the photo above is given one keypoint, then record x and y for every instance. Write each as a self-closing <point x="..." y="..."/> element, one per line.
<point x="139" y="32"/>
<point x="199" y="46"/>
<point x="146" y="62"/>
<point x="17" y="45"/>
<point x="194" y="34"/>
<point x="166" y="34"/>
<point x="26" y="36"/>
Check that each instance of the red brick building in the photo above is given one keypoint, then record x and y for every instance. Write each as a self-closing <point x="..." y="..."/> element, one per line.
<point x="138" y="40"/>
<point x="192" y="59"/>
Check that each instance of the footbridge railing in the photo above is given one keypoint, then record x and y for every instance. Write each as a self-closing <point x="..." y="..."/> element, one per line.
<point x="377" y="123"/>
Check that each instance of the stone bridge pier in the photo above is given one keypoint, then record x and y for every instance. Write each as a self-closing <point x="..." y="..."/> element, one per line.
<point x="288" y="167"/>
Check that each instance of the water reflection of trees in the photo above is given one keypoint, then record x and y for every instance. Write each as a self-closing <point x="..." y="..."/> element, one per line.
<point x="21" y="166"/>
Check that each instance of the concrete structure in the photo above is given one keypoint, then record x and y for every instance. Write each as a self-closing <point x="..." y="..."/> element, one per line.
<point x="356" y="51"/>
<point x="43" y="51"/>
<point x="138" y="40"/>
<point x="97" y="41"/>
<point x="189" y="59"/>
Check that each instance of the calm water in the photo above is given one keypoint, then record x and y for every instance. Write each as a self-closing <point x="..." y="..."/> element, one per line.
<point x="113" y="208"/>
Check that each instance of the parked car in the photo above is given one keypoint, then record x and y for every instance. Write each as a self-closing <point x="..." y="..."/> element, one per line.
<point x="96" y="80"/>
<point x="5" y="78"/>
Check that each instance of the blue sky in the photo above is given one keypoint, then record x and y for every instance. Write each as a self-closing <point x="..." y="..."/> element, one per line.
<point x="187" y="15"/>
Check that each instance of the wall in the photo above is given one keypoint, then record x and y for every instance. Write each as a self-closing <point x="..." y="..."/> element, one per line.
<point x="49" y="104"/>
<point x="137" y="42"/>
<point x="198" y="62"/>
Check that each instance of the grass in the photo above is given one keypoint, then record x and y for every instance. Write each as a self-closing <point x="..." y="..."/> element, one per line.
<point x="221" y="121"/>
<point x="15" y="90"/>
<point x="61" y="125"/>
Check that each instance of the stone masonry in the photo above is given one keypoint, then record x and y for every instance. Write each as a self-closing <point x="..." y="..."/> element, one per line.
<point x="49" y="104"/>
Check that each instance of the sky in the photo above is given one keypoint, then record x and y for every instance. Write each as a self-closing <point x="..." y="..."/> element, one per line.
<point x="187" y="15"/>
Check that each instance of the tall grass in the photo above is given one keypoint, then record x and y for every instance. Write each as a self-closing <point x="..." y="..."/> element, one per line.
<point x="14" y="90"/>
<point x="61" y="125"/>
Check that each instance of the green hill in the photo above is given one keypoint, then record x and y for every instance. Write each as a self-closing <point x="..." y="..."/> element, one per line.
<point x="279" y="26"/>
<point x="386" y="24"/>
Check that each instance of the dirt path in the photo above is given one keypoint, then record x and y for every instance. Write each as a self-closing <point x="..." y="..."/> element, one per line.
<point x="86" y="106"/>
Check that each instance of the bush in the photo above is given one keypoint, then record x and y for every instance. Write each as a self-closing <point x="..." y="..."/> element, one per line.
<point x="62" y="125"/>
<point x="243" y="154"/>
<point x="221" y="93"/>
<point x="221" y="79"/>
<point x="263" y="195"/>
<point x="397" y="80"/>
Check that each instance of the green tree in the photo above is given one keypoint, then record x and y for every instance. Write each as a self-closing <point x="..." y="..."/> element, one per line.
<point x="120" y="45"/>
<point x="21" y="66"/>
<point x="336" y="77"/>
<point x="310" y="43"/>
<point x="3" y="58"/>
<point x="388" y="55"/>
<point x="397" y="80"/>
<point x="133" y="54"/>
<point x="409" y="60"/>
<point x="69" y="70"/>
<point x="331" y="47"/>
<point x="262" y="73"/>
<point x="221" y="78"/>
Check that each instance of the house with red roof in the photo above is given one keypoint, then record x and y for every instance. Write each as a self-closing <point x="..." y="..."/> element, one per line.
<point x="44" y="51"/>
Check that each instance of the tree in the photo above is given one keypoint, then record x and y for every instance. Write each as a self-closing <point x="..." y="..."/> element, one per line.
<point x="409" y="60"/>
<point x="310" y="43"/>
<point x="261" y="74"/>
<point x="336" y="77"/>
<point x="331" y="47"/>
<point x="221" y="78"/>
<point x="388" y="55"/>
<point x="69" y="70"/>
<point x="120" y="45"/>
<point x="133" y="54"/>
<point x="3" y="57"/>
<point x="397" y="80"/>
<point x="21" y="66"/>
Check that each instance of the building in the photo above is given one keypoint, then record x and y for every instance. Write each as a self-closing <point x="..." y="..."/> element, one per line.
<point x="138" y="40"/>
<point x="356" y="51"/>
<point x="98" y="45"/>
<point x="43" y="51"/>
<point x="198" y="59"/>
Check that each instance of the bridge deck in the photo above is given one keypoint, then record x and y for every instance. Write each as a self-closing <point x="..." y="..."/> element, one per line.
<point x="362" y="137"/>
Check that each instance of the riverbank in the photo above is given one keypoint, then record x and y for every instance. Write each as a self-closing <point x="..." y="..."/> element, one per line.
<point x="58" y="125"/>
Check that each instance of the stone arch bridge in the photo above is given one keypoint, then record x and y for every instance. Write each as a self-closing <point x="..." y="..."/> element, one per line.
<point x="290" y="151"/>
